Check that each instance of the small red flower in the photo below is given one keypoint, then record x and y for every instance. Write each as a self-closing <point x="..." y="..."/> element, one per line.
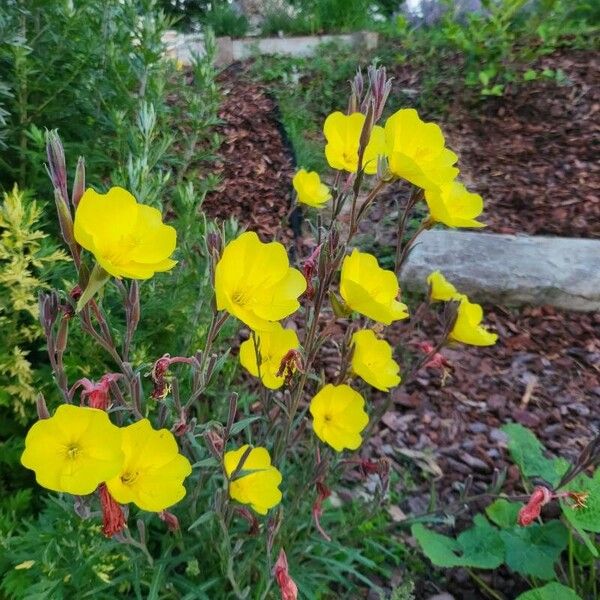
<point x="287" y="587"/>
<point x="113" y="519"/>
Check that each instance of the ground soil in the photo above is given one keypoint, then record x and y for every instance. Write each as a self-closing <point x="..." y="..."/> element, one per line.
<point x="533" y="156"/>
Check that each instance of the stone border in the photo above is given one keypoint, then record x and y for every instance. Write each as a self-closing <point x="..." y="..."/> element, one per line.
<point x="510" y="269"/>
<point x="182" y="47"/>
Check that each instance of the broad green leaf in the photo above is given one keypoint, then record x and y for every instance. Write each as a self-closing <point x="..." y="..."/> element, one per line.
<point x="241" y="425"/>
<point x="551" y="591"/>
<point x="533" y="550"/>
<point x="441" y="550"/>
<point x="479" y="547"/>
<point x="588" y="517"/>
<point x="503" y="513"/>
<point x="527" y="451"/>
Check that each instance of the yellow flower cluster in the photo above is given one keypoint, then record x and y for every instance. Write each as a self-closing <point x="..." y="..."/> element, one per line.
<point x="467" y="328"/>
<point x="415" y="151"/>
<point x="78" y="448"/>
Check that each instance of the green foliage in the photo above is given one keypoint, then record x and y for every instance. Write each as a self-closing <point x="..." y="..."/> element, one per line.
<point x="534" y="550"/>
<point x="27" y="257"/>
<point x="587" y="517"/>
<point x="84" y="68"/>
<point x="503" y="513"/>
<point x="479" y="547"/>
<point x="551" y="591"/>
<point x="527" y="453"/>
<point x="225" y="21"/>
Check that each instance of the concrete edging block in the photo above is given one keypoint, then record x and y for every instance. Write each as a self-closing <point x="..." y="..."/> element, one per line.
<point x="510" y="269"/>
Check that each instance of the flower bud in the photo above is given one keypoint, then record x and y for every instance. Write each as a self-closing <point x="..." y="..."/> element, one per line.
<point x="323" y="492"/>
<point x="42" y="409"/>
<point x="78" y="183"/>
<point x="170" y="519"/>
<point x="56" y="165"/>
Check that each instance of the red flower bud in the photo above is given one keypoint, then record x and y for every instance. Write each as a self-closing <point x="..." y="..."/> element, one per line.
<point x="310" y="267"/>
<point x="287" y="587"/>
<point x="113" y="519"/>
<point x="97" y="394"/>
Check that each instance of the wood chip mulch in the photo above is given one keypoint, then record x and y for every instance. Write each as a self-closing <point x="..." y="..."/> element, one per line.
<point x="254" y="162"/>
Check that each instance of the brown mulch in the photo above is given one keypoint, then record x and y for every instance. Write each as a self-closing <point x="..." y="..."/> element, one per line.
<point x="254" y="163"/>
<point x="534" y="153"/>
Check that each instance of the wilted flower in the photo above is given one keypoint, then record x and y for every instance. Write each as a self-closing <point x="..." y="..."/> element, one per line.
<point x="441" y="289"/>
<point x="339" y="416"/>
<point x="468" y="328"/>
<point x="342" y="133"/>
<point x="126" y="238"/>
<point x="255" y="283"/>
<point x="416" y="150"/>
<point x="153" y="472"/>
<point x="532" y="510"/>
<point x="113" y="518"/>
<point x="309" y="188"/>
<point x="97" y="394"/>
<point x="454" y="206"/>
<point x="287" y="587"/>
<point x="273" y="346"/>
<point x="372" y="361"/>
<point x="73" y="451"/>
<point x="371" y="290"/>
<point x="257" y="482"/>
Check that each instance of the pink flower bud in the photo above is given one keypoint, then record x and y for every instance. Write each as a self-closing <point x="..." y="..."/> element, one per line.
<point x="287" y="587"/>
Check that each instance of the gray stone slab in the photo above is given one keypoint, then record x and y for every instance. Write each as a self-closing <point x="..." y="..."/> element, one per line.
<point x="509" y="269"/>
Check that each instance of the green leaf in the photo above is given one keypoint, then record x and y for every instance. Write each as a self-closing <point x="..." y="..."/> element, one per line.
<point x="479" y="547"/>
<point x="529" y="75"/>
<point x="241" y="425"/>
<point x="533" y="550"/>
<point x="551" y="591"/>
<point x="527" y="452"/>
<point x="504" y="513"/>
<point x="202" y="519"/>
<point x="588" y="517"/>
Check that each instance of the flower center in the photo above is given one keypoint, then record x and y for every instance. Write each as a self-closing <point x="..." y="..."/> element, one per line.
<point x="73" y="451"/>
<point x="240" y="298"/>
<point x="129" y="478"/>
<point x="327" y="418"/>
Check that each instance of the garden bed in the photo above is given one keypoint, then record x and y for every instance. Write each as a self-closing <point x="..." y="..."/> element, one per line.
<point x="544" y="372"/>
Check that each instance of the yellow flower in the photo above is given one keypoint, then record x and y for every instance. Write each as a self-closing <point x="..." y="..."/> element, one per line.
<point x="272" y="347"/>
<point x="371" y="290"/>
<point x="153" y="472"/>
<point x="127" y="239"/>
<point x="73" y="451"/>
<point x="339" y="416"/>
<point x="454" y="206"/>
<point x="441" y="288"/>
<point x="416" y="150"/>
<point x="468" y="328"/>
<point x="309" y="188"/>
<point x="257" y="482"/>
<point x="372" y="361"/>
<point x="254" y="282"/>
<point x="342" y="133"/>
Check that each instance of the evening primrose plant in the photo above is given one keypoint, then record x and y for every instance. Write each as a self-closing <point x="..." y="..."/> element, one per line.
<point x="245" y="476"/>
